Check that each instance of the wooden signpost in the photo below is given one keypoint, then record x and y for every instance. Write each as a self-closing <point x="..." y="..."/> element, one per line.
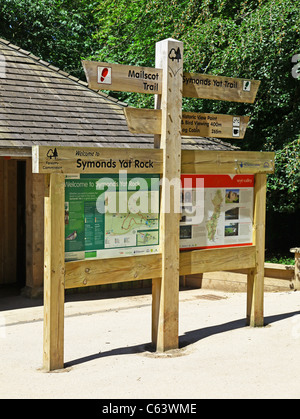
<point x="169" y="83"/>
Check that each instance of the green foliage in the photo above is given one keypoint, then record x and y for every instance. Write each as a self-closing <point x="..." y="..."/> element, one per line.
<point x="279" y="258"/>
<point x="239" y="38"/>
<point x="284" y="184"/>
<point x="59" y="31"/>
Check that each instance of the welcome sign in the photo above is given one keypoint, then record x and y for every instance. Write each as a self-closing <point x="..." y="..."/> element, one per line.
<point x="47" y="159"/>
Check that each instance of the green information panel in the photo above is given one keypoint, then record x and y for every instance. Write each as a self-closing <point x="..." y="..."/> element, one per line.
<point x="111" y="216"/>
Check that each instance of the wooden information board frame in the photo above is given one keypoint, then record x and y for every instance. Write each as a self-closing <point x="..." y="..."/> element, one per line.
<point x="166" y="267"/>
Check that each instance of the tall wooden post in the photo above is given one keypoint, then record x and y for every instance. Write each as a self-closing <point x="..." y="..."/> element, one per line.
<point x="255" y="283"/>
<point x="165" y="290"/>
<point x="54" y="267"/>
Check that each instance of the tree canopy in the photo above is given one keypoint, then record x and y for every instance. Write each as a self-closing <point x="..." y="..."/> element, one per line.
<point x="252" y="38"/>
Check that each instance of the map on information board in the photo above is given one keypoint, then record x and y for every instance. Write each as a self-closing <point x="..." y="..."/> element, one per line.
<point x="212" y="222"/>
<point x="111" y="216"/>
<point x="218" y="212"/>
<point x="130" y="228"/>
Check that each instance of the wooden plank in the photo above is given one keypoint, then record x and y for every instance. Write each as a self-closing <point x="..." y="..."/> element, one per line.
<point x="123" y="78"/>
<point x="210" y="260"/>
<point x="237" y="282"/>
<point x="54" y="250"/>
<point x="255" y="279"/>
<point x="110" y="271"/>
<point x="207" y="86"/>
<point x="276" y="270"/>
<point x="135" y="268"/>
<point x="143" y="121"/>
<point x="224" y="162"/>
<point x="46" y="159"/>
<point x="169" y="55"/>
<point x="148" y="121"/>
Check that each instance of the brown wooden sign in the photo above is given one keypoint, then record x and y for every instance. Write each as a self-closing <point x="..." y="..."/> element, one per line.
<point x="219" y="87"/>
<point x="123" y="78"/>
<point x="74" y="160"/>
<point x="127" y="78"/>
<point x="148" y="121"/>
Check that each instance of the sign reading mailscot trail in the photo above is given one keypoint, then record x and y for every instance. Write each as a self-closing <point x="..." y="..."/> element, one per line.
<point x="124" y="78"/>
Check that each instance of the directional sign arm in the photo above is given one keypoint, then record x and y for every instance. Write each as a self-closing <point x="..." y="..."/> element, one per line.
<point x="122" y="78"/>
<point x="143" y="121"/>
<point x="231" y="89"/>
<point x="148" y="121"/>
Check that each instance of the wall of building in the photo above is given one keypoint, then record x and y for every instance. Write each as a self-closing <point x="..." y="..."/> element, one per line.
<point x="8" y="221"/>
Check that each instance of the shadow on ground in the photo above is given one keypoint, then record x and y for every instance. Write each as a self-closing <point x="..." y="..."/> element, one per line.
<point x="185" y="340"/>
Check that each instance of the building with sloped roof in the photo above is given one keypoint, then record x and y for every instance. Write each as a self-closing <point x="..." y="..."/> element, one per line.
<point x="43" y="105"/>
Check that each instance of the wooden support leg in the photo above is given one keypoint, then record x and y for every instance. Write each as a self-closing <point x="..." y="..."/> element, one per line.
<point x="255" y="280"/>
<point x="166" y="290"/>
<point x="54" y="267"/>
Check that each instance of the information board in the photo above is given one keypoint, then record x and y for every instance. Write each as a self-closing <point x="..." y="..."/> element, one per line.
<point x="111" y="216"/>
<point x="217" y="211"/>
<point x="117" y="216"/>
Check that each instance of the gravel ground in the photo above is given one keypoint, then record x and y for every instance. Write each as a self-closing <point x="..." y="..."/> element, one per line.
<point x="108" y="353"/>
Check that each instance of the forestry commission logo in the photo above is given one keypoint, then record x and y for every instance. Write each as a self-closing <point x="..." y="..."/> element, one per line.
<point x="175" y="57"/>
<point x="175" y="54"/>
<point x="52" y="153"/>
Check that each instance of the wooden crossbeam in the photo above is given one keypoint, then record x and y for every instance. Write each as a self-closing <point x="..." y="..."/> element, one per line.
<point x="227" y="162"/>
<point x="135" y="268"/>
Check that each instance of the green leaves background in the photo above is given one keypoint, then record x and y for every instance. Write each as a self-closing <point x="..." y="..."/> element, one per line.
<point x="254" y="39"/>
